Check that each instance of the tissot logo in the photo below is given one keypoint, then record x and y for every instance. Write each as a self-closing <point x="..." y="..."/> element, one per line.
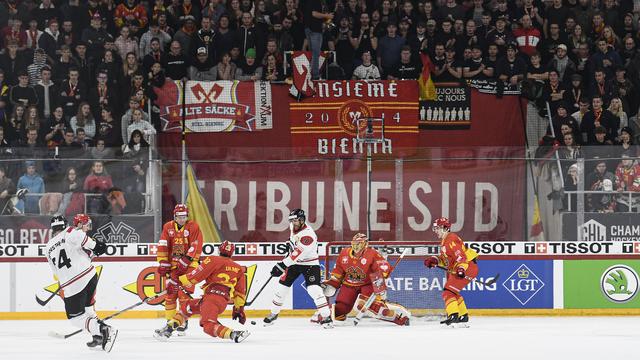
<point x="594" y="231"/>
<point x="523" y="284"/>
<point x="121" y="233"/>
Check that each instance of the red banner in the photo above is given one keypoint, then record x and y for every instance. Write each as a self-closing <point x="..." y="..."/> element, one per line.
<point x="325" y="124"/>
<point x="251" y="201"/>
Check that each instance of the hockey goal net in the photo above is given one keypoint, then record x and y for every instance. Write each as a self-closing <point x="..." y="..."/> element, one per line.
<point x="411" y="284"/>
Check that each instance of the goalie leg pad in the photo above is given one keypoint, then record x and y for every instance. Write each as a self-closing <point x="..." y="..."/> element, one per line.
<point x="320" y="300"/>
<point x="279" y="296"/>
<point x="344" y="301"/>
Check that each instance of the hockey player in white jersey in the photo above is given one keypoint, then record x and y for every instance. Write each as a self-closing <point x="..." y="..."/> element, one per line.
<point x="69" y="252"/>
<point x="302" y="260"/>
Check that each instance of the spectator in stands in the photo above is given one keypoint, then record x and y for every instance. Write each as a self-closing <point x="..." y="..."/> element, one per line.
<point x="54" y="129"/>
<point x="47" y="93"/>
<point x="363" y="39"/>
<point x="629" y="49"/>
<point x="554" y="90"/>
<point x="560" y="120"/>
<point x="34" y="70"/>
<point x="154" y="32"/>
<point x="570" y="184"/>
<point x="599" y="117"/>
<point x="226" y="70"/>
<point x="204" y="37"/>
<point x="475" y="67"/>
<point x="250" y="70"/>
<point x="32" y="120"/>
<point x="137" y="148"/>
<point x="96" y="185"/>
<point x="605" y="58"/>
<point x="126" y="119"/>
<point x="627" y="144"/>
<point x="601" y="87"/>
<point x="23" y="93"/>
<point x="63" y="64"/>
<point x="408" y="69"/>
<point x="125" y="43"/>
<point x="583" y="109"/>
<point x="599" y="147"/>
<point x="155" y="55"/>
<point x="84" y="119"/>
<point x="175" y="63"/>
<point x="138" y="123"/>
<point x="84" y="141"/>
<point x="272" y="70"/>
<point x="314" y="18"/>
<point x="72" y="92"/>
<point x="15" y="128"/>
<point x="511" y="68"/>
<point x="616" y="108"/>
<point x="69" y="148"/>
<point x="72" y="196"/>
<point x="203" y="68"/>
<point x="562" y="64"/>
<point x="33" y="34"/>
<point x="575" y="94"/>
<point x="7" y="190"/>
<point x="225" y="36"/>
<point x="95" y="36"/>
<point x="13" y="62"/>
<point x="600" y="180"/>
<point x="101" y="151"/>
<point x="103" y="94"/>
<point x="623" y="88"/>
<point x="367" y="70"/>
<point x="627" y="179"/>
<point x="500" y="35"/>
<point x="51" y="41"/>
<point x="185" y="34"/>
<point x="34" y="183"/>
<point x="527" y="36"/>
<point x="389" y="48"/>
<point x="128" y="12"/>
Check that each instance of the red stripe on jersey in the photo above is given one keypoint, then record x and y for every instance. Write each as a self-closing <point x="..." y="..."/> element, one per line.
<point x="77" y="277"/>
<point x="308" y="260"/>
<point x="84" y="241"/>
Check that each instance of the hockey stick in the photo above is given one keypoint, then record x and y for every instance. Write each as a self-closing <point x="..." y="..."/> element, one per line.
<point x="372" y="297"/>
<point x="248" y="303"/>
<point x="46" y="301"/>
<point x="143" y="301"/>
<point x="485" y="283"/>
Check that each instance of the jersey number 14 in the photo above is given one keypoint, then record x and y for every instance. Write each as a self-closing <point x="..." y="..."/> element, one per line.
<point x="63" y="260"/>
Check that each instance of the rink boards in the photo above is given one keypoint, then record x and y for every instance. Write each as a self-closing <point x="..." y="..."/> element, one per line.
<point x="586" y="278"/>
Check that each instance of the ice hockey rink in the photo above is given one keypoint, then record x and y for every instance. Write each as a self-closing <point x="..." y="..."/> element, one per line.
<point x="296" y="338"/>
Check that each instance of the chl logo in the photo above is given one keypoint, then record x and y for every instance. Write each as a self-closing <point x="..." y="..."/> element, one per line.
<point x="523" y="284"/>
<point x="594" y="231"/>
<point x="122" y="233"/>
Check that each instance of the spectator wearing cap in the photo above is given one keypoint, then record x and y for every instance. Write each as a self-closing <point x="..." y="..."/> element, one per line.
<point x="500" y="35"/>
<point x="95" y="36"/>
<point x="52" y="39"/>
<point x="511" y="68"/>
<point x="562" y="64"/>
<point x="33" y="182"/>
<point x="598" y="116"/>
<point x="408" y="69"/>
<point x="527" y="36"/>
<point x="389" y="48"/>
<point x="39" y="61"/>
<point x="250" y="69"/>
<point x="128" y="11"/>
<point x="203" y="68"/>
<point x="623" y="88"/>
<point x="154" y="32"/>
<point x="47" y="92"/>
<point x="184" y="35"/>
<point x="575" y="93"/>
<point x="175" y="62"/>
<point x="23" y="93"/>
<point x="367" y="70"/>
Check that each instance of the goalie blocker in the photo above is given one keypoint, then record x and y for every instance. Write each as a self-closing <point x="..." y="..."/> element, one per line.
<point x="359" y="273"/>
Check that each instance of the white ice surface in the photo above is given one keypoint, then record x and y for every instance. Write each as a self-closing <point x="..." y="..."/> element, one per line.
<point x="538" y="338"/>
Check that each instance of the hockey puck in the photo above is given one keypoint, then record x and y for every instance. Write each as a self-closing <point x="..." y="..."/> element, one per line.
<point x="253" y="322"/>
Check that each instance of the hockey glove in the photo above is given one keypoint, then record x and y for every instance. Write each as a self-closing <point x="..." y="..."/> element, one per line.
<point x="100" y="248"/>
<point x="183" y="265"/>
<point x="164" y="267"/>
<point x="238" y="314"/>
<point x="278" y="269"/>
<point x="460" y="272"/>
<point x="330" y="287"/>
<point x="431" y="262"/>
<point x="172" y="287"/>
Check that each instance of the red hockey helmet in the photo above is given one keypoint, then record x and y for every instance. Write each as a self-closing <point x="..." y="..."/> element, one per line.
<point x="227" y="249"/>
<point x="81" y="219"/>
<point x="180" y="210"/>
<point x="442" y="222"/>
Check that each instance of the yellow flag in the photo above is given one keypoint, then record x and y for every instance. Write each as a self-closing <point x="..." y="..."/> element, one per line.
<point x="199" y="211"/>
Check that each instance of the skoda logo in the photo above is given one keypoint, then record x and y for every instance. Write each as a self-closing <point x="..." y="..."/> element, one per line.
<point x="619" y="283"/>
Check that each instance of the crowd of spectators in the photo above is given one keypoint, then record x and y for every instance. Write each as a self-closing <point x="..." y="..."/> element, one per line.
<point x="77" y="77"/>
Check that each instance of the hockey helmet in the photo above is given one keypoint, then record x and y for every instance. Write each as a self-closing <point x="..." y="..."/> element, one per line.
<point x="297" y="214"/>
<point x="180" y="210"/>
<point x="81" y="219"/>
<point x="359" y="242"/>
<point x="227" y="249"/>
<point x="442" y="222"/>
<point x="58" y="222"/>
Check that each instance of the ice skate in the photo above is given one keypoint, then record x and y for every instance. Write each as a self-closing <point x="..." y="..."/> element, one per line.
<point x="450" y="321"/>
<point x="95" y="343"/>
<point x="239" y="335"/>
<point x="109" y="335"/>
<point x="180" y="330"/>
<point x="463" y="321"/>
<point x="270" y="319"/>
<point x="326" y="323"/>
<point x="164" y="333"/>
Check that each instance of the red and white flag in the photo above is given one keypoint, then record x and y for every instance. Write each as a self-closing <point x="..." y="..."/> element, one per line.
<point x="301" y="61"/>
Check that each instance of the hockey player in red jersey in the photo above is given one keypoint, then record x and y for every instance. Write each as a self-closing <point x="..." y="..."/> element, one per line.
<point x="353" y="273"/>
<point x="224" y="281"/>
<point x="179" y="250"/>
<point x="461" y="266"/>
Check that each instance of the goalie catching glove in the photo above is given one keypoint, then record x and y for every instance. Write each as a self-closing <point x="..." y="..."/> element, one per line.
<point x="278" y="269"/>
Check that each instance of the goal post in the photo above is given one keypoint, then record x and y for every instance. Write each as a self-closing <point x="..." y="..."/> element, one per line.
<point x="411" y="284"/>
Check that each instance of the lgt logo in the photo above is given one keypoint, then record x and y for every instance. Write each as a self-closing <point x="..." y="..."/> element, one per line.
<point x="594" y="231"/>
<point x="523" y="284"/>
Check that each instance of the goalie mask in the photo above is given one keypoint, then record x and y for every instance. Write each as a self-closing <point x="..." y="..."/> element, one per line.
<point x="359" y="243"/>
